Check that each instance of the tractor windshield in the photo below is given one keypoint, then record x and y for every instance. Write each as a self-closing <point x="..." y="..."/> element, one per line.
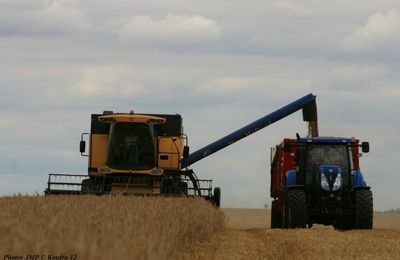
<point x="326" y="154"/>
<point x="131" y="146"/>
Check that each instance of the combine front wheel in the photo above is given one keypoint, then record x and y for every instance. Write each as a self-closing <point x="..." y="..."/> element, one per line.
<point x="86" y="186"/>
<point x="216" y="198"/>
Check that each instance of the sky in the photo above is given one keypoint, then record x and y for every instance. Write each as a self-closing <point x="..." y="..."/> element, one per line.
<point x="221" y="64"/>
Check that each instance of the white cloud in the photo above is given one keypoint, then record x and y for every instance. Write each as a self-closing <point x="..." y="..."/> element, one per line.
<point x="233" y="84"/>
<point x="42" y="17"/>
<point x="8" y="120"/>
<point x="106" y="82"/>
<point x="352" y="78"/>
<point x="63" y="15"/>
<point x="381" y="30"/>
<point x="292" y="8"/>
<point x="172" y="28"/>
<point x="254" y="87"/>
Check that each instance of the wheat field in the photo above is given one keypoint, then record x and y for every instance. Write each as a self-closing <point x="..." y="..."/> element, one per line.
<point x="90" y="227"/>
<point x="114" y="227"/>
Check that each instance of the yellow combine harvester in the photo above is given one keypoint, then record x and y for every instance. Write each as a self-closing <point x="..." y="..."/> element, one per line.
<point x="134" y="154"/>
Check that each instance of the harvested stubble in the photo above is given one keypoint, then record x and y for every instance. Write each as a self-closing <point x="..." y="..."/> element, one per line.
<point x="105" y="227"/>
<point x="324" y="243"/>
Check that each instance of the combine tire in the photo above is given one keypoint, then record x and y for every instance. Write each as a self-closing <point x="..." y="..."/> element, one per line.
<point x="297" y="209"/>
<point x="183" y="188"/>
<point x="276" y="217"/>
<point x="363" y="213"/>
<point x="86" y="186"/>
<point x="216" y="198"/>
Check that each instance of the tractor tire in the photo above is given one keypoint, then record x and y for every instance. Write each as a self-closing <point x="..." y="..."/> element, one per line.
<point x="276" y="217"/>
<point x="285" y="213"/>
<point x="216" y="198"/>
<point x="297" y="209"/>
<point x="363" y="211"/>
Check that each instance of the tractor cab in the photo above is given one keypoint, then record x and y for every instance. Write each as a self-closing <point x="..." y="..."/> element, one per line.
<point x="326" y="163"/>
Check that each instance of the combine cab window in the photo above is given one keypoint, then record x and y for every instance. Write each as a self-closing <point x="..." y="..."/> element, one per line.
<point x="131" y="146"/>
<point x="326" y="154"/>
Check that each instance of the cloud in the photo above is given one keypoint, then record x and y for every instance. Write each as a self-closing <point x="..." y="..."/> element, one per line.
<point x="8" y="120"/>
<point x="254" y="88"/>
<point x="292" y="9"/>
<point x="172" y="28"/>
<point x="380" y="31"/>
<point x="42" y="17"/>
<point x="105" y="82"/>
<point x="352" y="78"/>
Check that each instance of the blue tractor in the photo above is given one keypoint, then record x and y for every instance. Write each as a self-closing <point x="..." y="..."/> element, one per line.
<point x="318" y="180"/>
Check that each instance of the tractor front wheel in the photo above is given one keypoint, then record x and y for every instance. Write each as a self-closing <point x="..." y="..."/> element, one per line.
<point x="296" y="209"/>
<point x="363" y="211"/>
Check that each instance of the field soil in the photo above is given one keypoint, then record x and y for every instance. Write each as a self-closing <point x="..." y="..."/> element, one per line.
<point x="248" y="236"/>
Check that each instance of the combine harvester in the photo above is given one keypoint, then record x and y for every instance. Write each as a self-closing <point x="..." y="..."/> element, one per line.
<point x="148" y="154"/>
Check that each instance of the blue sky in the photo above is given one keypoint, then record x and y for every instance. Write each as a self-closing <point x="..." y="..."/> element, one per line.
<point x="220" y="64"/>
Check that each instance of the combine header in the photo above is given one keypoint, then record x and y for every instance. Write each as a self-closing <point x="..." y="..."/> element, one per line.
<point x="148" y="154"/>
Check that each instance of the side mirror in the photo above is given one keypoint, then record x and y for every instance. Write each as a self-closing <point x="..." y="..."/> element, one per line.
<point x="185" y="151"/>
<point x="365" y="147"/>
<point x="82" y="146"/>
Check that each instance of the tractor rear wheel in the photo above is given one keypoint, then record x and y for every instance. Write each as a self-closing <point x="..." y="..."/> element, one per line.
<point x="285" y="213"/>
<point x="297" y="209"/>
<point x="276" y="217"/>
<point x="363" y="212"/>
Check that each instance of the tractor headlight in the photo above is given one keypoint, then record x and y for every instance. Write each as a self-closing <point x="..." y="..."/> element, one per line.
<point x="324" y="182"/>
<point x="338" y="183"/>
